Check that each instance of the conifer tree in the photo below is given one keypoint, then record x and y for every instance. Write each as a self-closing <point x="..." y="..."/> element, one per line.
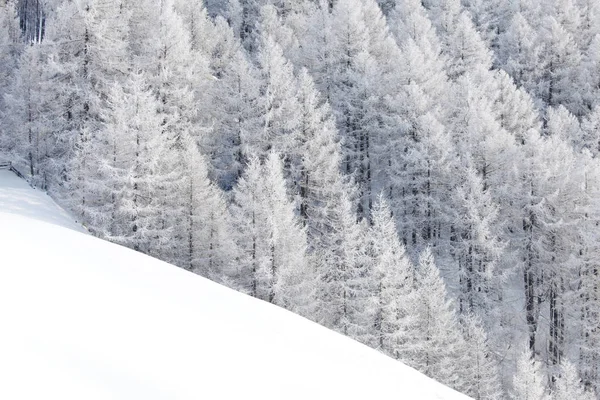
<point x="334" y="237"/>
<point x="528" y="383"/>
<point x="440" y="343"/>
<point x="131" y="170"/>
<point x="344" y="291"/>
<point x="23" y="115"/>
<point x="478" y="248"/>
<point x="290" y="279"/>
<point x="393" y="285"/>
<point x="561" y="59"/>
<point x="272" y="243"/>
<point x="481" y="374"/>
<point x="233" y="114"/>
<point x="248" y="228"/>
<point x="279" y="104"/>
<point x="10" y="48"/>
<point x="591" y="131"/>
<point x="89" y="53"/>
<point x="519" y="52"/>
<point x="568" y="385"/>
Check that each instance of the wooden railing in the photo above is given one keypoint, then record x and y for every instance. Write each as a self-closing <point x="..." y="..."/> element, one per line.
<point x="9" y="166"/>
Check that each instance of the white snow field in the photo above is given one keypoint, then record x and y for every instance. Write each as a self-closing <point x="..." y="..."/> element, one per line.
<point x="84" y="319"/>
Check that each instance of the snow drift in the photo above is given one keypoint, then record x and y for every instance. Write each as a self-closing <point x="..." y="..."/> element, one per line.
<point x="86" y="319"/>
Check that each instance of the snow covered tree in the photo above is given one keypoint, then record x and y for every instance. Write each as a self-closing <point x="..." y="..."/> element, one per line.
<point x="528" y="383"/>
<point x="567" y="14"/>
<point x="520" y="52"/>
<point x="335" y="239"/>
<point x="361" y="50"/>
<point x="272" y="24"/>
<point x="490" y="18"/>
<point x="10" y="46"/>
<point x="275" y="252"/>
<point x="279" y="104"/>
<point x="514" y="108"/>
<point x="550" y="213"/>
<point x="561" y="59"/>
<point x="563" y="124"/>
<point x="587" y="295"/>
<point x="88" y="52"/>
<point x="481" y="375"/>
<point x="23" y="115"/>
<point x="440" y="343"/>
<point x="421" y="62"/>
<point x="290" y="276"/>
<point x="343" y="285"/>
<point x="477" y="248"/>
<point x="243" y="16"/>
<point x="210" y="248"/>
<point x="32" y="19"/>
<point x="233" y="114"/>
<point x="424" y="161"/>
<point x="589" y="365"/>
<point x="591" y="131"/>
<point x="196" y="20"/>
<point x="591" y="72"/>
<point x="393" y="278"/>
<point x="465" y="48"/>
<point x="589" y="23"/>
<point x="131" y="171"/>
<point x="248" y="228"/>
<point x="568" y="385"/>
<point x="317" y="158"/>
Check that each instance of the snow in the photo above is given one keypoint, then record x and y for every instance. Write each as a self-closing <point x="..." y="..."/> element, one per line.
<point x="17" y="197"/>
<point x="86" y="319"/>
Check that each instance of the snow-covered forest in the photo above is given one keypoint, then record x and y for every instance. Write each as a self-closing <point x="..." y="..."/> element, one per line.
<point x="420" y="175"/>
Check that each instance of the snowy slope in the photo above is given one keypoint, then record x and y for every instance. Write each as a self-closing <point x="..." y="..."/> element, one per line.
<point x="86" y="319"/>
<point x="18" y="198"/>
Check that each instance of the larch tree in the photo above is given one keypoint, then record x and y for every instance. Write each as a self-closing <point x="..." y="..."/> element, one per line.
<point x="363" y="76"/>
<point x="568" y="385"/>
<point x="393" y="285"/>
<point x="480" y="372"/>
<point x="591" y="131"/>
<point x="278" y="104"/>
<point x="132" y="169"/>
<point x="587" y="294"/>
<point x="88" y="53"/>
<point x="440" y="343"/>
<point x="477" y="248"/>
<point x="10" y="47"/>
<point x="248" y="229"/>
<point x="343" y="272"/>
<point x="465" y="48"/>
<point x="23" y="115"/>
<point x="210" y="248"/>
<point x="288" y="271"/>
<point x="563" y="124"/>
<point x="519" y="52"/>
<point x="234" y="115"/>
<point x="591" y="73"/>
<point x="334" y="237"/>
<point x="561" y="59"/>
<point x="272" y="243"/>
<point x="528" y="383"/>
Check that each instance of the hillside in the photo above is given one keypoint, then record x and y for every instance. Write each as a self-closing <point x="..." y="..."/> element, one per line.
<point x="86" y="319"/>
<point x="421" y="176"/>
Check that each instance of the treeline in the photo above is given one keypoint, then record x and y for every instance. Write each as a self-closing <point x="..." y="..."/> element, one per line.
<point x="420" y="176"/>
